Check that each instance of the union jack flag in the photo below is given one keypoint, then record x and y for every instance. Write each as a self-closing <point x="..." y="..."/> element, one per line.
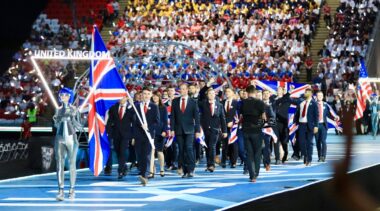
<point x="201" y="139"/>
<point x="233" y="133"/>
<point x="337" y="124"/>
<point x="291" y="125"/>
<point x="272" y="86"/>
<point x="170" y="139"/>
<point x="364" y="91"/>
<point x="269" y="131"/>
<point x="218" y="87"/>
<point x="107" y="89"/>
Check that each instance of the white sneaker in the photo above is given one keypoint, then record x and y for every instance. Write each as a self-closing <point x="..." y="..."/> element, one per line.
<point x="60" y="196"/>
<point x="71" y="194"/>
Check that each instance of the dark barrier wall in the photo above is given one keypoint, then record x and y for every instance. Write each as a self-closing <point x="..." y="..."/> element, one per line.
<point x="35" y="156"/>
<point x="317" y="196"/>
<point x="21" y="158"/>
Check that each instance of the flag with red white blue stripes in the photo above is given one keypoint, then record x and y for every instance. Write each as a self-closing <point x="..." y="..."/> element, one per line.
<point x="363" y="92"/>
<point x="291" y="124"/>
<point x="270" y="132"/>
<point x="233" y="133"/>
<point x="170" y="139"/>
<point x="271" y="86"/>
<point x="334" y="123"/>
<point x="107" y="89"/>
<point x="201" y="139"/>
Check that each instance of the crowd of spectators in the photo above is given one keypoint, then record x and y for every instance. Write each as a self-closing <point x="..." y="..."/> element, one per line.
<point x="20" y="87"/>
<point x="348" y="42"/>
<point x="260" y="40"/>
<point x="268" y="40"/>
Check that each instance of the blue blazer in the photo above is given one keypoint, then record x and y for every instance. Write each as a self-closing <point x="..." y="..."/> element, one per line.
<point x="232" y="112"/>
<point x="216" y="122"/>
<point x="162" y="126"/>
<point x="152" y="118"/>
<point x="312" y="115"/>
<point x="326" y="113"/>
<point x="187" y="122"/>
<point x="120" y="129"/>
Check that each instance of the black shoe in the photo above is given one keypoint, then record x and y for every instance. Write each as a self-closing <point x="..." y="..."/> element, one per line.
<point x="132" y="165"/>
<point x="190" y="175"/>
<point x="120" y="176"/>
<point x="295" y="157"/>
<point x="245" y="172"/>
<point x="277" y="162"/>
<point x="151" y="176"/>
<point x="107" y="172"/>
<point x="223" y="165"/>
<point x="184" y="176"/>
<point x="233" y="166"/>
<point x="319" y="159"/>
<point x="323" y="159"/>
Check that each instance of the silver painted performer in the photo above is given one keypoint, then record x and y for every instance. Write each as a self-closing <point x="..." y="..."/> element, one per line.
<point x="66" y="121"/>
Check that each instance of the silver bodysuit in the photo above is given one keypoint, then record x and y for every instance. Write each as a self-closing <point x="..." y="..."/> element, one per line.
<point x="66" y="120"/>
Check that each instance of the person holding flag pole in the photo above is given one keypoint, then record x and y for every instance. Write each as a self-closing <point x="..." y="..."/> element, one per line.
<point x="106" y="89"/>
<point x="144" y="128"/>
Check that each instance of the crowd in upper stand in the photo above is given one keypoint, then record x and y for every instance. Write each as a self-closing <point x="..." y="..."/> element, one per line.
<point x="267" y="40"/>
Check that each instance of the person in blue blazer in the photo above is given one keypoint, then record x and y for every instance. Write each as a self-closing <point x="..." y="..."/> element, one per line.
<point x="184" y="123"/>
<point x="213" y="122"/>
<point x="320" y="137"/>
<point x="150" y="117"/>
<point x="307" y="117"/>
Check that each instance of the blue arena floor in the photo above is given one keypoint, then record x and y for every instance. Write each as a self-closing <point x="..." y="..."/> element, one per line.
<point x="206" y="191"/>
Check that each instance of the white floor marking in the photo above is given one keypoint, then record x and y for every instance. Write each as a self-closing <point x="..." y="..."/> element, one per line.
<point x="67" y="205"/>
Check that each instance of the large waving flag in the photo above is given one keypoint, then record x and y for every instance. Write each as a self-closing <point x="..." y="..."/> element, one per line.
<point x="364" y="91"/>
<point x="271" y="86"/>
<point x="107" y="88"/>
<point x="298" y="88"/>
<point x="218" y="87"/>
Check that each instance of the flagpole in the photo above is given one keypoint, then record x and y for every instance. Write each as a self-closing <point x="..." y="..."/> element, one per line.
<point x="151" y="140"/>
